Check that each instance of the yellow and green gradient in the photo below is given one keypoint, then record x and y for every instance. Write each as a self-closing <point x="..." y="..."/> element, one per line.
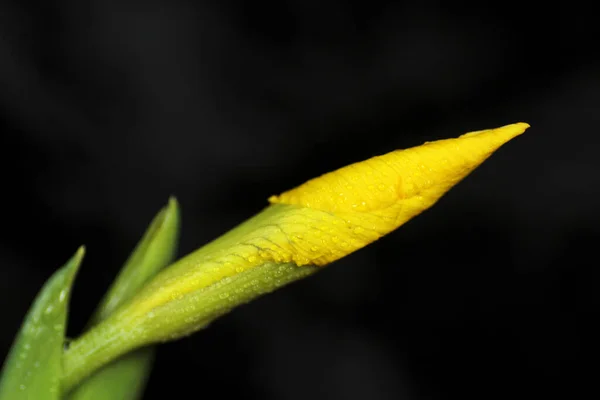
<point x="302" y="230"/>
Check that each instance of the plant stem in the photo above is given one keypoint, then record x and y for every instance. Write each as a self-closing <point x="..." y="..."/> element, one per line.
<point x="120" y="333"/>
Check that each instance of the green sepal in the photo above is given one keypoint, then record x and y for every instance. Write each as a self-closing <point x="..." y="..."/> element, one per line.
<point x="155" y="250"/>
<point x="33" y="367"/>
<point x="125" y="378"/>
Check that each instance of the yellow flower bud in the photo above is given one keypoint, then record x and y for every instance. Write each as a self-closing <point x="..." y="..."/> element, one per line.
<point x="303" y="229"/>
<point x="344" y="210"/>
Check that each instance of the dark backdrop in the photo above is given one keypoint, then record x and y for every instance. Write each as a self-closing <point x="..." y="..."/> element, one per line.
<point x="107" y="107"/>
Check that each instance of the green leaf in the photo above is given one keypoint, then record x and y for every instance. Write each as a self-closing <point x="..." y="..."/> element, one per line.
<point x="155" y="251"/>
<point x="125" y="378"/>
<point x="33" y="367"/>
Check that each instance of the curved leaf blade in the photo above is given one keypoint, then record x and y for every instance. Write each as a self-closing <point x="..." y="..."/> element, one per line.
<point x="125" y="379"/>
<point x="155" y="251"/>
<point x="33" y="367"/>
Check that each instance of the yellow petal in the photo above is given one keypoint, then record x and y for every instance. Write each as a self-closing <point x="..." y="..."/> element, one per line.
<point x="372" y="198"/>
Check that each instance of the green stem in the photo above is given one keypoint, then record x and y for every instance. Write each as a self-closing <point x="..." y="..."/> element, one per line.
<point x="120" y="333"/>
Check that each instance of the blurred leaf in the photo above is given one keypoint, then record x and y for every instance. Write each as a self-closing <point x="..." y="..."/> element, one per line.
<point x="33" y="367"/>
<point x="125" y="378"/>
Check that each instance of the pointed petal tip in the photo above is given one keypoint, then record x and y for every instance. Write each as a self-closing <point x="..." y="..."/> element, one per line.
<point x="506" y="132"/>
<point x="522" y="126"/>
<point x="513" y="130"/>
<point x="429" y="170"/>
<point x="487" y="141"/>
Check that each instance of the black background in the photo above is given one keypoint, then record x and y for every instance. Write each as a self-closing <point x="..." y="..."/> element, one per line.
<point x="108" y="107"/>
